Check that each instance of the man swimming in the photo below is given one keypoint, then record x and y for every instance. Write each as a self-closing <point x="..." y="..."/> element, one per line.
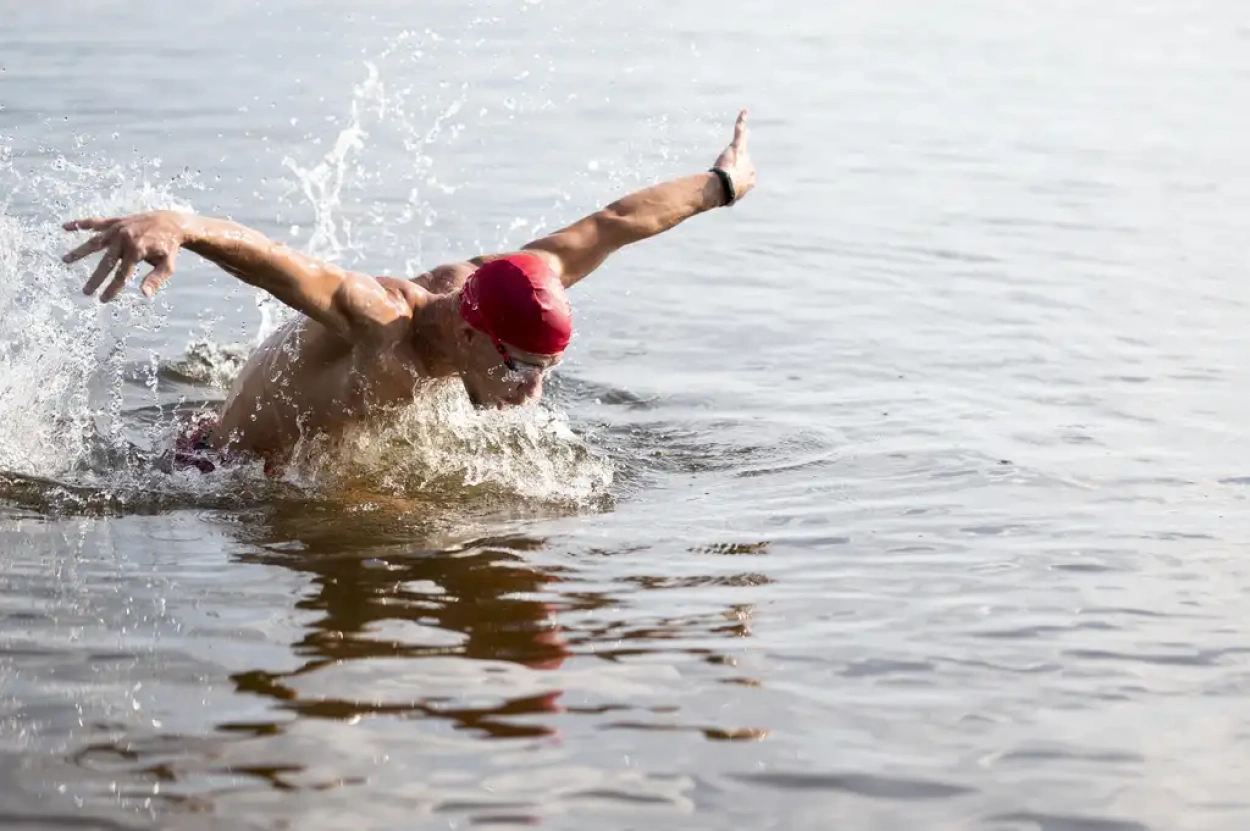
<point x="365" y="344"/>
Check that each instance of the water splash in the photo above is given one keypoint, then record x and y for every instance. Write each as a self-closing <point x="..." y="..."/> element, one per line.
<point x="441" y="450"/>
<point x="321" y="185"/>
<point x="47" y="358"/>
<point x="208" y="364"/>
<point x="62" y="359"/>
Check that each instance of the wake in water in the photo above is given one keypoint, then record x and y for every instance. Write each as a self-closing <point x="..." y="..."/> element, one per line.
<point x="87" y="414"/>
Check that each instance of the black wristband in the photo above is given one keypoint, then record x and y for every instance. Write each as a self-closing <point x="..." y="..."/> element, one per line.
<point x="731" y="195"/>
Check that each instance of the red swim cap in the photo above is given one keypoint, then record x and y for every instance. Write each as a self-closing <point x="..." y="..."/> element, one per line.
<point x="520" y="301"/>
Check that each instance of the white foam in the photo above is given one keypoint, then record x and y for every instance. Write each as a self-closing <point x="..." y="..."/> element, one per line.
<point x="442" y="449"/>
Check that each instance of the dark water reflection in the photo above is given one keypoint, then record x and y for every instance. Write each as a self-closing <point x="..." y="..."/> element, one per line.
<point x="484" y="638"/>
<point x="475" y="602"/>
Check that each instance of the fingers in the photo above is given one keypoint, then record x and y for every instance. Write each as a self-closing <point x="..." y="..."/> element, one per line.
<point x="740" y="129"/>
<point x="158" y="277"/>
<point x="107" y="262"/>
<point x="124" y="272"/>
<point x="127" y="244"/>
<point x="96" y="243"/>
<point x="93" y="224"/>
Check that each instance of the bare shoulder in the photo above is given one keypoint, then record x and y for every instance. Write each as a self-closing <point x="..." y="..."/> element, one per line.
<point x="412" y="293"/>
<point x="445" y="278"/>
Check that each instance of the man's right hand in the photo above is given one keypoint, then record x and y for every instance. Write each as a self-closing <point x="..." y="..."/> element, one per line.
<point x="154" y="238"/>
<point x="736" y="161"/>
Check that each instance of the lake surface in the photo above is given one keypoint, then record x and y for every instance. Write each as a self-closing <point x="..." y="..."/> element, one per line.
<point x="910" y="493"/>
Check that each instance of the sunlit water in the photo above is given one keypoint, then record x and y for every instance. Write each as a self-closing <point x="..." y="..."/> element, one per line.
<point x="909" y="493"/>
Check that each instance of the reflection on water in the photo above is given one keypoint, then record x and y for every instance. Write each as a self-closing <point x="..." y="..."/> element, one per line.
<point x="476" y="601"/>
<point x="370" y="620"/>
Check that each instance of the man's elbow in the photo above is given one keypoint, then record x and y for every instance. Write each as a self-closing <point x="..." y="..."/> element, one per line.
<point x="614" y="227"/>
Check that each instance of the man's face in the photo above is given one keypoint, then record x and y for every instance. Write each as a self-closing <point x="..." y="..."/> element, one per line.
<point x="491" y="383"/>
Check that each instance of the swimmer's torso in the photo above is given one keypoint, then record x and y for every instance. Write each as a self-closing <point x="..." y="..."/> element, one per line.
<point x="305" y="380"/>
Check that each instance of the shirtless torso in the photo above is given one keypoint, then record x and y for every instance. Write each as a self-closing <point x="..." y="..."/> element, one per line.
<point x="305" y="379"/>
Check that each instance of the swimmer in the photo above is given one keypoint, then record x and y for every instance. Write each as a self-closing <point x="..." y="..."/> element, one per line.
<point x="363" y="344"/>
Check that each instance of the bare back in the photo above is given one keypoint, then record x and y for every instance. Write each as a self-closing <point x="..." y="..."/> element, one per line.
<point x="306" y="380"/>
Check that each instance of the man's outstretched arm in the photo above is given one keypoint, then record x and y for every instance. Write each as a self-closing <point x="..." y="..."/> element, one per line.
<point x="583" y="246"/>
<point x="348" y="303"/>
